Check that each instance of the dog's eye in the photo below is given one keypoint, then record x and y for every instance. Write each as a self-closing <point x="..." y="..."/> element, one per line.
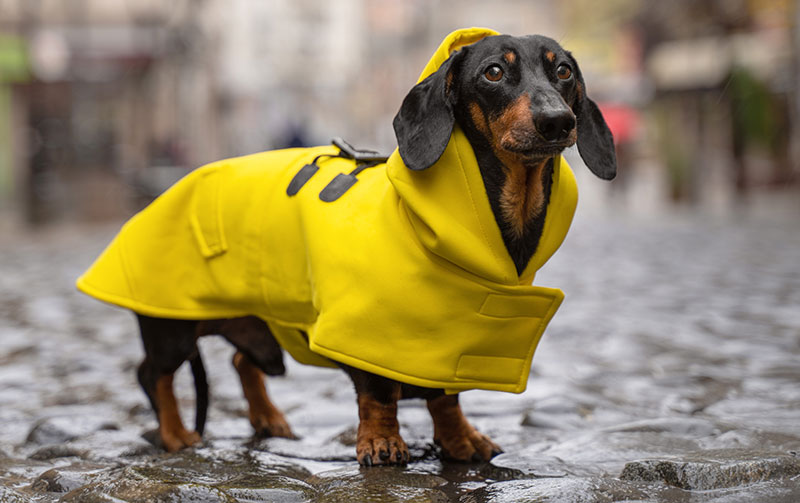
<point x="564" y="72"/>
<point x="493" y="73"/>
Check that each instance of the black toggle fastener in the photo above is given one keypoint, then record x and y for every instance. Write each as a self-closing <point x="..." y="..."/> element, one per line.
<point x="305" y="174"/>
<point x="302" y="176"/>
<point x="342" y="182"/>
<point x="337" y="187"/>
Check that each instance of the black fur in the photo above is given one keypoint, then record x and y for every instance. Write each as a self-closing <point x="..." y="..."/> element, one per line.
<point x="381" y="388"/>
<point x="595" y="142"/>
<point x="425" y="120"/>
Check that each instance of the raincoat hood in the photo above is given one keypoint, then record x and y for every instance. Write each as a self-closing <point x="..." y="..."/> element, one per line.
<point x="404" y="275"/>
<point x="466" y="223"/>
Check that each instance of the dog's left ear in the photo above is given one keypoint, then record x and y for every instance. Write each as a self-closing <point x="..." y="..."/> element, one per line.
<point x="595" y="142"/>
<point x="425" y="121"/>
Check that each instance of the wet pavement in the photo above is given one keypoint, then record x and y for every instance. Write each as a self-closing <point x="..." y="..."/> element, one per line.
<point x="670" y="373"/>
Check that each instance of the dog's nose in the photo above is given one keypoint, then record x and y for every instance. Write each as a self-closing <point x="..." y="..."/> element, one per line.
<point x="555" y="125"/>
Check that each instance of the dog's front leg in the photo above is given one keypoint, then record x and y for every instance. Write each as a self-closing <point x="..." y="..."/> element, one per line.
<point x="378" y="441"/>
<point x="460" y="441"/>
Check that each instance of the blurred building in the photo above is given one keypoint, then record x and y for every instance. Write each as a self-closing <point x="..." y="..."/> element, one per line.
<point x="107" y="85"/>
<point x="725" y="107"/>
<point x="103" y="103"/>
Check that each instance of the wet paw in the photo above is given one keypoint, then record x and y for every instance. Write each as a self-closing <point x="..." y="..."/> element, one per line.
<point x="178" y="439"/>
<point x="470" y="446"/>
<point x="380" y="450"/>
<point x="271" y="425"/>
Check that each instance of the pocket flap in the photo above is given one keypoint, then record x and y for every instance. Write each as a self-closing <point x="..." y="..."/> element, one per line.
<point x="490" y="368"/>
<point x="539" y="304"/>
<point x="206" y="217"/>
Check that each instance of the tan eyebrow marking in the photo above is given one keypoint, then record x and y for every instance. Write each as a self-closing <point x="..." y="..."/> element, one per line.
<point x="510" y="57"/>
<point x="551" y="56"/>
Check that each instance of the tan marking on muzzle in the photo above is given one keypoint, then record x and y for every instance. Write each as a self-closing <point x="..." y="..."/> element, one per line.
<point x="514" y="123"/>
<point x="478" y="119"/>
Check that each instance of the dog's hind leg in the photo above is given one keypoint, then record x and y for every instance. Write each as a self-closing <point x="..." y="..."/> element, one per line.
<point x="200" y="391"/>
<point x="459" y="440"/>
<point x="173" y="434"/>
<point x="258" y="354"/>
<point x="167" y="344"/>
<point x="267" y="420"/>
<point x="251" y="336"/>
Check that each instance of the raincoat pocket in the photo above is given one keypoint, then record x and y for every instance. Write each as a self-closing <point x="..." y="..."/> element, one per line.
<point x="206" y="219"/>
<point x="521" y="321"/>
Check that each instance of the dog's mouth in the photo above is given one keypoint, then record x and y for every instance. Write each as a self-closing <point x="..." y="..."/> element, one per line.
<point x="528" y="143"/>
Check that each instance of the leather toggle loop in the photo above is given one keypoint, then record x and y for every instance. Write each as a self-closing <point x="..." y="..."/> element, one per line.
<point x="343" y="181"/>
<point x="302" y="176"/>
<point x="338" y="186"/>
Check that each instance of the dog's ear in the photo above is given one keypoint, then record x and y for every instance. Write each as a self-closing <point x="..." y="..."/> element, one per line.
<point x="425" y="121"/>
<point x="595" y="142"/>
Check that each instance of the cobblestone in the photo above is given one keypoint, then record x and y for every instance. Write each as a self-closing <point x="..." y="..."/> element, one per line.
<point x="677" y="346"/>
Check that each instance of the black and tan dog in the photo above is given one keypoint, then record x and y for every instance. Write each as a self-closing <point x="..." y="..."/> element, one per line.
<point x="520" y="101"/>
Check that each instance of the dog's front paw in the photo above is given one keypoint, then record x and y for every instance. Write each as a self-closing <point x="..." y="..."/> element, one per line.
<point x="467" y="445"/>
<point x="178" y="438"/>
<point x="372" y="448"/>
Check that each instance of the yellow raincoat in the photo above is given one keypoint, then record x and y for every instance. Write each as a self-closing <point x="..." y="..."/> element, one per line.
<point x="405" y="275"/>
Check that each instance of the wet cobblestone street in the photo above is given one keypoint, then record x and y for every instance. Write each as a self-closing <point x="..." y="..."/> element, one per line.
<point x="670" y="373"/>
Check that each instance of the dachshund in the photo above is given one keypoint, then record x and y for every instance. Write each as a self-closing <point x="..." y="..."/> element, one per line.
<point x="520" y="101"/>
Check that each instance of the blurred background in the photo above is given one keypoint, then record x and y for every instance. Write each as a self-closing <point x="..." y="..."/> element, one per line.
<point x="104" y="103"/>
<point x="680" y="333"/>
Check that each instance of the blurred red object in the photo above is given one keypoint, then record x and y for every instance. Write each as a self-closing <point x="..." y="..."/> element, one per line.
<point x="622" y="120"/>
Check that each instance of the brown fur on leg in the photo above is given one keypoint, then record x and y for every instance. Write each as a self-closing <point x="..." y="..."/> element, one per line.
<point x="266" y="419"/>
<point x="459" y="440"/>
<point x="173" y="434"/>
<point x="379" y="441"/>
